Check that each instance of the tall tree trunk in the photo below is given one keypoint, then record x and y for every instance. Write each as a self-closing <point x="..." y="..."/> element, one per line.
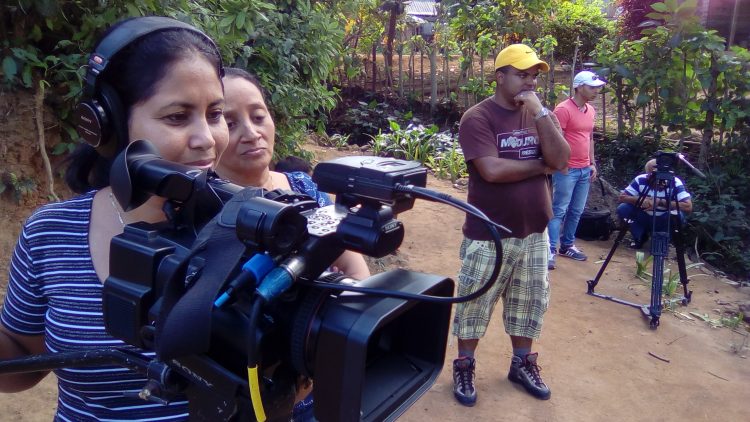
<point x="733" y="25"/>
<point x="388" y="53"/>
<point x="421" y="74"/>
<point x="481" y="70"/>
<point x="620" y="106"/>
<point x="39" y="123"/>
<point x="573" y="66"/>
<point x="355" y="57"/>
<point x="374" y="67"/>
<point x="550" y="88"/>
<point x="446" y="73"/>
<point x="604" y="113"/>
<point x="618" y="97"/>
<point x="461" y="71"/>
<point x="470" y="75"/>
<point x="708" y="125"/>
<point x="433" y="78"/>
<point x="411" y="70"/>
<point x="400" y="74"/>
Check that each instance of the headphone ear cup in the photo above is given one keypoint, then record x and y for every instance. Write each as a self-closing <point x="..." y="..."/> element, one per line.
<point x="92" y="122"/>
<point x="116" y="130"/>
<point x="102" y="122"/>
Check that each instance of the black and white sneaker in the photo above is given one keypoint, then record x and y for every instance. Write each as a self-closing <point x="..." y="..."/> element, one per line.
<point x="526" y="372"/>
<point x="463" y="381"/>
<point x="572" y="252"/>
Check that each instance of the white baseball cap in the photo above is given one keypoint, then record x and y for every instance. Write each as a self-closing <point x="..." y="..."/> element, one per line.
<point x="587" y="78"/>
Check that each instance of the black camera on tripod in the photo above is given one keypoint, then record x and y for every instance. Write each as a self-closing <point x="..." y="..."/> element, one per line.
<point x="660" y="185"/>
<point x="187" y="289"/>
<point x="666" y="161"/>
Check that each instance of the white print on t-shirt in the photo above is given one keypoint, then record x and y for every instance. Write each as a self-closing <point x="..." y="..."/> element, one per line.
<point x="518" y="145"/>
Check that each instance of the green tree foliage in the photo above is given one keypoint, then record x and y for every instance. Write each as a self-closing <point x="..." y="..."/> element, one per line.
<point x="292" y="45"/>
<point x="696" y="88"/>
<point x="577" y="20"/>
<point x="633" y="14"/>
<point x="363" y="27"/>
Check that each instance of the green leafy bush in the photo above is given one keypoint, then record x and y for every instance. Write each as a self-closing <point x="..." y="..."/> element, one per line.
<point x="619" y="160"/>
<point x="438" y="151"/>
<point x="292" y="46"/>
<point x="362" y="120"/>
<point x="720" y="221"/>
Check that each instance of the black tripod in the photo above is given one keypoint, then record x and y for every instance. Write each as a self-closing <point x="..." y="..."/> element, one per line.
<point x="661" y="180"/>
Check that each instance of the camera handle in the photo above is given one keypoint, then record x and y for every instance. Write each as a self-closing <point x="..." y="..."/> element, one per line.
<point x="659" y="248"/>
<point x="161" y="387"/>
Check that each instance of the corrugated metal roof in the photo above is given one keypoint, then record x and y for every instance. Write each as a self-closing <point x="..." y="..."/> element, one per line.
<point x="421" y="8"/>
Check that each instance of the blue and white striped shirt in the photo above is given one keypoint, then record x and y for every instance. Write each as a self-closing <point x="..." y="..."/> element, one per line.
<point x="641" y="184"/>
<point x="53" y="291"/>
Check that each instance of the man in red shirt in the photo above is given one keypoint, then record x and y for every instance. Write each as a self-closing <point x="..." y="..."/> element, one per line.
<point x="570" y="191"/>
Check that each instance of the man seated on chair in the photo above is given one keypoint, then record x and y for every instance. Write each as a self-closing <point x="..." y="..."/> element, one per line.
<point x="640" y="220"/>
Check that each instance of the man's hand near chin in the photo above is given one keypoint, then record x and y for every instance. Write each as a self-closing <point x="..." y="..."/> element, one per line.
<point x="530" y="100"/>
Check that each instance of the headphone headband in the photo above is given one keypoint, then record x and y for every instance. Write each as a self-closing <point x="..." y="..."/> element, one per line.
<point x="124" y="35"/>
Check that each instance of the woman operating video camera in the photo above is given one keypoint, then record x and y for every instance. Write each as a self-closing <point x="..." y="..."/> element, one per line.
<point x="149" y="78"/>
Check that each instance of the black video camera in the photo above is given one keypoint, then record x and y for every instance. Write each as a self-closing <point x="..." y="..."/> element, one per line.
<point x="666" y="161"/>
<point x="238" y="276"/>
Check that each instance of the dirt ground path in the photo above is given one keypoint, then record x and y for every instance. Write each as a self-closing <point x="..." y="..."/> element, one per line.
<point x="596" y="355"/>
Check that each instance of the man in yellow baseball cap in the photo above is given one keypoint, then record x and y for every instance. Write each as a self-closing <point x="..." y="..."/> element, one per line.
<point x="510" y="143"/>
<point x="520" y="56"/>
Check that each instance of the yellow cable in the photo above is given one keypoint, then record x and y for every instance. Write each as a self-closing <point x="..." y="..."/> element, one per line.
<point x="252" y="382"/>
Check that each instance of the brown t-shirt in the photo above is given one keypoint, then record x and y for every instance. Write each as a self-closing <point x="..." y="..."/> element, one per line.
<point x="524" y="207"/>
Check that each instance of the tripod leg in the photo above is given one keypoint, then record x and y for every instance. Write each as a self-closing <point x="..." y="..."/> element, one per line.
<point x="624" y="226"/>
<point x="680" y="251"/>
<point x="592" y="283"/>
<point x="659" y="250"/>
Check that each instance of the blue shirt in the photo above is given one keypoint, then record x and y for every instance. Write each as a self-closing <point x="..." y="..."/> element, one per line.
<point x="301" y="182"/>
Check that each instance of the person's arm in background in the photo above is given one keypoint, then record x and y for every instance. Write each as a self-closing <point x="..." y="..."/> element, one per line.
<point x="555" y="149"/>
<point x="626" y="198"/>
<point x="16" y="320"/>
<point x="504" y="170"/>
<point x="633" y="191"/>
<point x="352" y="264"/>
<point x="592" y="159"/>
<point x="685" y="205"/>
<point x="12" y="346"/>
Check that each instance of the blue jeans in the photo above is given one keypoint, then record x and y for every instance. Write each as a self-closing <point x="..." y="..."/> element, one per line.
<point x="642" y="221"/>
<point x="569" y="194"/>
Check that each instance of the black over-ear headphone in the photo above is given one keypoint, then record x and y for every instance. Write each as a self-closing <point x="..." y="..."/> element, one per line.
<point x="101" y="116"/>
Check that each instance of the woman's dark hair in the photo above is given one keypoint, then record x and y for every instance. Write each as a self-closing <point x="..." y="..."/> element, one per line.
<point x="134" y="73"/>
<point x="236" y="72"/>
<point x="292" y="163"/>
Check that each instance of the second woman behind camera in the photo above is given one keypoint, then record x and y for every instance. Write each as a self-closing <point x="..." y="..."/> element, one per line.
<point x="251" y="141"/>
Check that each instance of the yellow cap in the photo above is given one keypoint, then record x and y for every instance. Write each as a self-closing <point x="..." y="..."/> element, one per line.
<point x="520" y="56"/>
